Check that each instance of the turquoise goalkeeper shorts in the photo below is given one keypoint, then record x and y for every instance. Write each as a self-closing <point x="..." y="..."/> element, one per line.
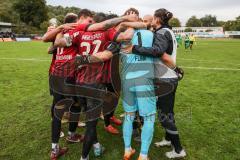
<point x="138" y="95"/>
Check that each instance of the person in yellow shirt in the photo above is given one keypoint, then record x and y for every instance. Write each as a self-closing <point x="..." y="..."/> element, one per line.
<point x="192" y="39"/>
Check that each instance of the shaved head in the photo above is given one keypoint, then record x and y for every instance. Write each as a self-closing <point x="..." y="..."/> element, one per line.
<point x="147" y="19"/>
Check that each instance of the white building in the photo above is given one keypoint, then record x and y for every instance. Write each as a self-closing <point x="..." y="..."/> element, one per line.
<point x="6" y="27"/>
<point x="232" y="34"/>
<point x="201" y="31"/>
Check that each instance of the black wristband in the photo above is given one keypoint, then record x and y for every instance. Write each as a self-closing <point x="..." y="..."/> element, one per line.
<point x="134" y="49"/>
<point x="82" y="59"/>
<point x="114" y="48"/>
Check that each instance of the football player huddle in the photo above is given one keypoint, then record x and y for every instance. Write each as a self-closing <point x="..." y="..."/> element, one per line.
<point x="98" y="59"/>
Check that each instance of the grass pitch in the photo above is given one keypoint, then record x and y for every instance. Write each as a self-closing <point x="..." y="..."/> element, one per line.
<point x="207" y="105"/>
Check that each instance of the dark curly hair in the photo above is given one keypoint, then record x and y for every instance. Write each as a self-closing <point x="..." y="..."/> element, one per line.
<point x="85" y="13"/>
<point x="163" y="15"/>
<point x="134" y="10"/>
<point x="70" y="18"/>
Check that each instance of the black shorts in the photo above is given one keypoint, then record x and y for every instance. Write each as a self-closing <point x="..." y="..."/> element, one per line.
<point x="191" y="42"/>
<point x="102" y="99"/>
<point x="165" y="103"/>
<point x="60" y="100"/>
<point x="59" y="96"/>
<point x="92" y="107"/>
<point x="67" y="80"/>
<point x="109" y="87"/>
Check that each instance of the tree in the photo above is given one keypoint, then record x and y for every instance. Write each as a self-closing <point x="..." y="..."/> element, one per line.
<point x="194" y="22"/>
<point x="235" y="26"/>
<point x="188" y="30"/>
<point x="7" y="14"/>
<point x="60" y="19"/>
<point x="31" y="12"/>
<point x="232" y="25"/>
<point x="228" y="26"/>
<point x="220" y="23"/>
<point x="209" y="21"/>
<point x="44" y="26"/>
<point x="174" y="22"/>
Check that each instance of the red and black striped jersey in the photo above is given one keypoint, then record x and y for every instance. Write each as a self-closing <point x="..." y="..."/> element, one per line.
<point x="90" y="43"/>
<point x="63" y="65"/>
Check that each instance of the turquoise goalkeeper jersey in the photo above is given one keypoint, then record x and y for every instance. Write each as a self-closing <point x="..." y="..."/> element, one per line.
<point x="138" y="66"/>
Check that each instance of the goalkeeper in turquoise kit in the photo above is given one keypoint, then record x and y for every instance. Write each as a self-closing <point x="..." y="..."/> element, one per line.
<point x="138" y="93"/>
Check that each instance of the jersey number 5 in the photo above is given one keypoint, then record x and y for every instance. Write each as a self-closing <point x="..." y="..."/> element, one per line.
<point x="97" y="44"/>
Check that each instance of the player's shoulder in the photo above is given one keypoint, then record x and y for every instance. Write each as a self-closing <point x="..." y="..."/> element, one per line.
<point x="165" y="32"/>
<point x="82" y="27"/>
<point x="76" y="32"/>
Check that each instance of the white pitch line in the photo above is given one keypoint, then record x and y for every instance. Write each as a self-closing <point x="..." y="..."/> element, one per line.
<point x="188" y="67"/>
<point x="207" y="68"/>
<point x="206" y="61"/>
<point x="26" y="59"/>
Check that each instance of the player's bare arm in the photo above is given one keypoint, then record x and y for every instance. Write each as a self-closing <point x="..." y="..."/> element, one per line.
<point x="104" y="56"/>
<point x="126" y="35"/>
<point x="168" y="61"/>
<point x="61" y="41"/>
<point x="135" y="25"/>
<point x="51" y="35"/>
<point x="112" y="22"/>
<point x="108" y="54"/>
<point x="98" y="57"/>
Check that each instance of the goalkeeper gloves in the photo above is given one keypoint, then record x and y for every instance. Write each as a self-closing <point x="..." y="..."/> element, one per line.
<point x="180" y="73"/>
<point x="82" y="60"/>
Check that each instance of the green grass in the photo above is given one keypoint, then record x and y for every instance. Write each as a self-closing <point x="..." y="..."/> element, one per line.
<point x="207" y="105"/>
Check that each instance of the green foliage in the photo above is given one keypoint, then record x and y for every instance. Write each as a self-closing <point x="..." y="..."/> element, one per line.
<point x="44" y="26"/>
<point x="209" y="21"/>
<point x="59" y="12"/>
<point x="209" y="30"/>
<point x="188" y="30"/>
<point x="31" y="12"/>
<point x="220" y="23"/>
<point x="31" y="16"/>
<point x="232" y="25"/>
<point x="60" y="19"/>
<point x="194" y="22"/>
<point x="7" y="14"/>
<point x="174" y="22"/>
<point x="54" y="11"/>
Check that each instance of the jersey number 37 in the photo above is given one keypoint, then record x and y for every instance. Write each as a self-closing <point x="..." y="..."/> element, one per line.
<point x="87" y="45"/>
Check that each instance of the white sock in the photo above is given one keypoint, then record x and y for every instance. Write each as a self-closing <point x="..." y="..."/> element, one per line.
<point x="84" y="158"/>
<point x="55" y="145"/>
<point x="144" y="156"/>
<point x="71" y="133"/>
<point x="97" y="145"/>
<point x="128" y="149"/>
